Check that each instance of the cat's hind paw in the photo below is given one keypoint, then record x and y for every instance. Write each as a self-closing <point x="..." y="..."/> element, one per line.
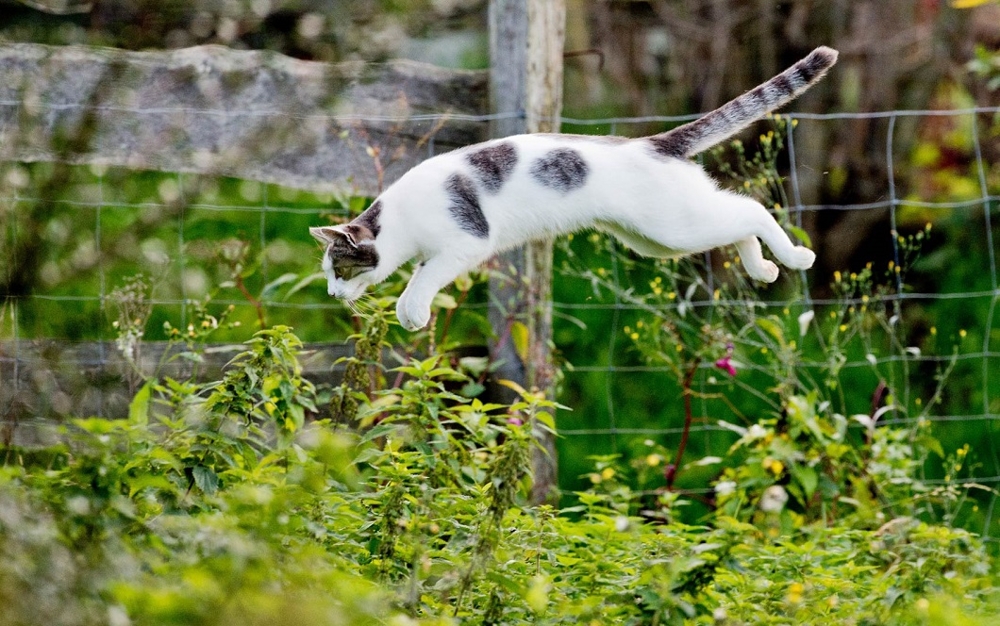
<point x="764" y="271"/>
<point x="802" y="258"/>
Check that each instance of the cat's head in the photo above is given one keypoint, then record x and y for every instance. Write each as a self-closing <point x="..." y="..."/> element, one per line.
<point x="350" y="254"/>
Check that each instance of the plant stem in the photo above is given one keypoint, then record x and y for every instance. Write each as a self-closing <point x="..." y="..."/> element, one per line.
<point x="688" y="418"/>
<point x="252" y="300"/>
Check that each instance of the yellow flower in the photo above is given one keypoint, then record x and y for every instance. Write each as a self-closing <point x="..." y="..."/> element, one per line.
<point x="608" y="473"/>
<point x="795" y="593"/>
<point x="653" y="460"/>
<point x="773" y="465"/>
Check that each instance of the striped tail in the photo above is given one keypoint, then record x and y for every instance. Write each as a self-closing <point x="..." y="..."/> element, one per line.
<point x="732" y="117"/>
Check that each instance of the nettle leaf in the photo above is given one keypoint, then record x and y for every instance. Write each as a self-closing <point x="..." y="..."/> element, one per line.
<point x="520" y="336"/>
<point x="772" y="328"/>
<point x="380" y="430"/>
<point x="801" y="235"/>
<point x="297" y="419"/>
<point x="447" y="373"/>
<point x="444" y="301"/>
<point x="547" y="420"/>
<point x="206" y="479"/>
<point x="138" y="409"/>
<point x="807" y="478"/>
<point x="472" y="389"/>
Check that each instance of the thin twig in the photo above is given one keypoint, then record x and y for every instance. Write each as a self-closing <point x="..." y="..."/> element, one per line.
<point x="688" y="419"/>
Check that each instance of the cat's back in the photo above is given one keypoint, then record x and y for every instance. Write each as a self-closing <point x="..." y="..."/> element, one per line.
<point x="557" y="163"/>
<point x="532" y="184"/>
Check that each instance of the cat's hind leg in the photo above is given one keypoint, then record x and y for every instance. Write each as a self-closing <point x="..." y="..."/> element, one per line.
<point x="754" y="220"/>
<point x="414" y="306"/>
<point x="754" y="262"/>
<point x="777" y="240"/>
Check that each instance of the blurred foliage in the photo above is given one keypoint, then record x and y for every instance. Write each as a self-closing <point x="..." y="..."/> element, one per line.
<point x="214" y="502"/>
<point x="321" y="30"/>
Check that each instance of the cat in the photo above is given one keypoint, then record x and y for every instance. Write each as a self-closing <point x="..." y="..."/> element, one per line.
<point x="454" y="211"/>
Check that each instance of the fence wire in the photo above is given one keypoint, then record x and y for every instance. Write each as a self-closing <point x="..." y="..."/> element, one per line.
<point x="180" y="204"/>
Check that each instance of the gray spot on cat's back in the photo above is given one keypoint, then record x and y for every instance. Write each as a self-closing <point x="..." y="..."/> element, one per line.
<point x="370" y="218"/>
<point x="562" y="169"/>
<point x="493" y="164"/>
<point x="465" y="206"/>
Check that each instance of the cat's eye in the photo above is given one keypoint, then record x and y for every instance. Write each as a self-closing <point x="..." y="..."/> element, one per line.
<point x="347" y="272"/>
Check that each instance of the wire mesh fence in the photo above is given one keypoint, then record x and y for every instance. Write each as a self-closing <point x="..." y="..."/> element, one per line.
<point x="191" y="233"/>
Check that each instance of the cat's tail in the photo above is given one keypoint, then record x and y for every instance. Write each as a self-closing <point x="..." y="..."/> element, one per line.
<point x="732" y="117"/>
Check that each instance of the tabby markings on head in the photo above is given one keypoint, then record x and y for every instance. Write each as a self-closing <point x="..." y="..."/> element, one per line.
<point x="493" y="164"/>
<point x="465" y="207"/>
<point x="370" y="218"/>
<point x="562" y="169"/>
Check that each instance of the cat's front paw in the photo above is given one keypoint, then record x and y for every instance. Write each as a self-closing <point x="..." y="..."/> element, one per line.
<point x="411" y="316"/>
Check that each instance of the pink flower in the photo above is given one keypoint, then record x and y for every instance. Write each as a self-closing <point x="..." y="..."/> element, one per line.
<point x="726" y="362"/>
<point x="515" y="421"/>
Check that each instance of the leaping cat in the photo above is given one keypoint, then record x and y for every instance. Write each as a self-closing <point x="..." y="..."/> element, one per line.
<point x="456" y="210"/>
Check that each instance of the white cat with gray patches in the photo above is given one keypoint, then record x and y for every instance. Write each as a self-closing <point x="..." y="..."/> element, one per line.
<point x="456" y="210"/>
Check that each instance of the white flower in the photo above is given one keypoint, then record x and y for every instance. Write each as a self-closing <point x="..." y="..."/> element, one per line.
<point x="725" y="488"/>
<point x="774" y="499"/>
<point x="804" y="320"/>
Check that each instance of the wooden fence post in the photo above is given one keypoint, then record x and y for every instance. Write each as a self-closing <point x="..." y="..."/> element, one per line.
<point x="526" y="52"/>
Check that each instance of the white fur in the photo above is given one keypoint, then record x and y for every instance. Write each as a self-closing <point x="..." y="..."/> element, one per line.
<point x="660" y="207"/>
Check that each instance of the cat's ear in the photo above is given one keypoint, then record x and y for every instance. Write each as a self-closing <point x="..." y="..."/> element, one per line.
<point x="357" y="233"/>
<point x="326" y="234"/>
<point x="354" y="234"/>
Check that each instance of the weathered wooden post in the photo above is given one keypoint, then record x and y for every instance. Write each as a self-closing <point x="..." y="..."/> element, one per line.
<point x="526" y="74"/>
